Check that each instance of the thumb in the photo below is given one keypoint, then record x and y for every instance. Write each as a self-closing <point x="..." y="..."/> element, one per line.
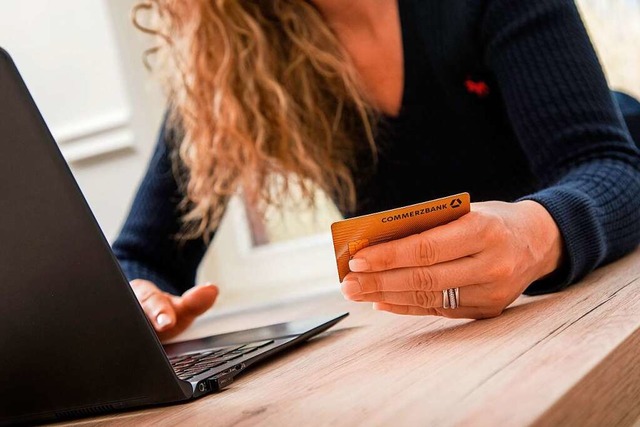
<point x="197" y="300"/>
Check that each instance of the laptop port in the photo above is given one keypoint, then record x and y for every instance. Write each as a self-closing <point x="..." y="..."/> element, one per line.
<point x="221" y="381"/>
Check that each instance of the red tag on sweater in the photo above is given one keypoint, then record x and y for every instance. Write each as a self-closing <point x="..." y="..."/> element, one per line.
<point x="477" y="87"/>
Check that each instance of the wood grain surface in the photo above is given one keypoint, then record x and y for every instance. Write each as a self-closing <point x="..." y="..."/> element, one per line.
<point x="569" y="358"/>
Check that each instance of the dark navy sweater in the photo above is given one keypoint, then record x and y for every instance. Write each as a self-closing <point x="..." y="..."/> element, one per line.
<point x="504" y="99"/>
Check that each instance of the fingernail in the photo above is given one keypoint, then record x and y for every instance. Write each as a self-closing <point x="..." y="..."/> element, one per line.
<point x="351" y="287"/>
<point x="358" y="264"/>
<point x="380" y="306"/>
<point x="163" y="320"/>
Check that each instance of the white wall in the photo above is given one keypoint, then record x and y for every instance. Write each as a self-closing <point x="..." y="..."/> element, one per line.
<point x="82" y="75"/>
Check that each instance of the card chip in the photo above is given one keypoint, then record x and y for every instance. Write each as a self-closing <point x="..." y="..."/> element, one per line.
<point x="356" y="245"/>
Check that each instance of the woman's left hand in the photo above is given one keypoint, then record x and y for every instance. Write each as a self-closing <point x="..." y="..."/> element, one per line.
<point x="492" y="254"/>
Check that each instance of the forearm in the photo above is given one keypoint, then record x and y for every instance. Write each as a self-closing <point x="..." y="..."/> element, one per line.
<point x="597" y="209"/>
<point x="562" y="111"/>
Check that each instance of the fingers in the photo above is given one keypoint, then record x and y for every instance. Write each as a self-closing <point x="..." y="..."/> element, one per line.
<point x="160" y="311"/>
<point x="143" y="289"/>
<point x="155" y="303"/>
<point x="452" y="274"/>
<point x="469" y="296"/>
<point x="196" y="300"/>
<point x="447" y="242"/>
<point x="458" y="313"/>
<point x="171" y="314"/>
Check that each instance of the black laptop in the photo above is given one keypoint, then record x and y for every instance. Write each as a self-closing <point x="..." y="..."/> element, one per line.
<point x="73" y="339"/>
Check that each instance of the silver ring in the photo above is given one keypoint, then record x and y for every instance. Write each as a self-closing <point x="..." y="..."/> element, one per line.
<point x="451" y="298"/>
<point x="445" y="299"/>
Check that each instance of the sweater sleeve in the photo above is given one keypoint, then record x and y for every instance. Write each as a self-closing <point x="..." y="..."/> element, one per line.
<point x="147" y="247"/>
<point x="563" y="114"/>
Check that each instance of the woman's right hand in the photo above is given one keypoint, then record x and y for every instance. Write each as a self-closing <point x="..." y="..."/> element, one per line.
<point x="171" y="314"/>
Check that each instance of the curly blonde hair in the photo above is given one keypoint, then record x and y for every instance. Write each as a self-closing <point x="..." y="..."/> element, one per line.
<point x="257" y="89"/>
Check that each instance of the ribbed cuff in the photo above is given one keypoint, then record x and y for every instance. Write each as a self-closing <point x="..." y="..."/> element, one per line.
<point x="134" y="270"/>
<point x="584" y="240"/>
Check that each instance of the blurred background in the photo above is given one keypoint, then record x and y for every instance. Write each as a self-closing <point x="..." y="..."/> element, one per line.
<point x="82" y="61"/>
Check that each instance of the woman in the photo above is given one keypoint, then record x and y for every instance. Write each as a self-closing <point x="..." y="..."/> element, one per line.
<point x="382" y="104"/>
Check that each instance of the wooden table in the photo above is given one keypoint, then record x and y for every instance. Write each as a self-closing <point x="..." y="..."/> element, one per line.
<point x="570" y="358"/>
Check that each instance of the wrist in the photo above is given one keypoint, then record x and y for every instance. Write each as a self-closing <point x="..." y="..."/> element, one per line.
<point x="545" y="239"/>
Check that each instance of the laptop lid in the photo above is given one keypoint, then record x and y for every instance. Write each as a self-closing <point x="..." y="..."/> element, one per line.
<point x="72" y="336"/>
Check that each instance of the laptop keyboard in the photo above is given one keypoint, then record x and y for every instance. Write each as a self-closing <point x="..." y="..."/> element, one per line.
<point x="193" y="364"/>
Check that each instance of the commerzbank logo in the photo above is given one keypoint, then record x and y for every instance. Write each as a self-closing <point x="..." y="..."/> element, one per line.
<point x="455" y="203"/>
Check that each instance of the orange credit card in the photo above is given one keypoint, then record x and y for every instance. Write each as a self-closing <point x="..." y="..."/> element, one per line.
<point x="353" y="234"/>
